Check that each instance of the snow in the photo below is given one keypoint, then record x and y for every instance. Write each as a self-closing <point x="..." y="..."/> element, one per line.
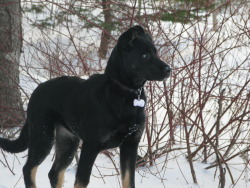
<point x="176" y="174"/>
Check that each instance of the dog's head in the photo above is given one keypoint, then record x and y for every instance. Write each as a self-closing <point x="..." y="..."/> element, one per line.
<point x="139" y="55"/>
<point x="134" y="60"/>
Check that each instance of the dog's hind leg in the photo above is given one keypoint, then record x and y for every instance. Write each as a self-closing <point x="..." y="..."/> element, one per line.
<point x="41" y="141"/>
<point x="88" y="155"/>
<point x="66" y="147"/>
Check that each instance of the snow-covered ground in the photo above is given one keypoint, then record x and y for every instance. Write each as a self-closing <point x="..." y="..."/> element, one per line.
<point x="176" y="174"/>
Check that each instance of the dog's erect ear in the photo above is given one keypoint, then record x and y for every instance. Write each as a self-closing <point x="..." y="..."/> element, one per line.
<point x="127" y="38"/>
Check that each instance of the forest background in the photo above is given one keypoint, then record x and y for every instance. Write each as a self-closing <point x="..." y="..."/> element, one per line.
<point x="197" y="128"/>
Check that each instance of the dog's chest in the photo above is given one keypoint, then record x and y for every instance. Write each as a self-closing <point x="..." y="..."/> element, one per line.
<point x="116" y="120"/>
<point x="116" y="137"/>
<point x="130" y="125"/>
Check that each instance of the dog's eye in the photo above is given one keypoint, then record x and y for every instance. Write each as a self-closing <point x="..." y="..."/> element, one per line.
<point x="146" y="56"/>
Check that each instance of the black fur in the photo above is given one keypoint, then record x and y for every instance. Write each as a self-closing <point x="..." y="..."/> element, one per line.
<point x="99" y="111"/>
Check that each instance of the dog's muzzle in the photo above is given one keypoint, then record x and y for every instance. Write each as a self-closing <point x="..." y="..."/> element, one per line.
<point x="167" y="71"/>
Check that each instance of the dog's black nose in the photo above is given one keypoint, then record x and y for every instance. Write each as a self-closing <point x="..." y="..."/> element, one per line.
<point x="167" y="69"/>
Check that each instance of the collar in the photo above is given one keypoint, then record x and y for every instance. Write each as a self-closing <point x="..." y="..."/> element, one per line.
<point x="126" y="88"/>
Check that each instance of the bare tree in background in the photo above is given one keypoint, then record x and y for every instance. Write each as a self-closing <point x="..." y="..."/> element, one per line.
<point x="11" y="110"/>
<point x="105" y="37"/>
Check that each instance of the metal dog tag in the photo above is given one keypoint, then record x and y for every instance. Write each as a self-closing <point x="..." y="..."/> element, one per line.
<point x="139" y="102"/>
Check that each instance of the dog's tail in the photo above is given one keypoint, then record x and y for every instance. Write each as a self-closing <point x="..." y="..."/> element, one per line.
<point x="18" y="145"/>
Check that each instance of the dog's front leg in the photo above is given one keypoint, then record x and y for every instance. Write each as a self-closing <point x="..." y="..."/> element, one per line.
<point x="87" y="159"/>
<point x="128" y="155"/>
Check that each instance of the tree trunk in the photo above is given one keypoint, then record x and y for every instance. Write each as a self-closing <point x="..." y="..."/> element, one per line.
<point x="139" y="9"/>
<point x="105" y="38"/>
<point x="214" y="16"/>
<point x="11" y="110"/>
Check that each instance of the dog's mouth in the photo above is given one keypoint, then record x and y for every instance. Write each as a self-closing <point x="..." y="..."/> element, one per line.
<point x="166" y="73"/>
<point x="161" y="78"/>
<point x="159" y="74"/>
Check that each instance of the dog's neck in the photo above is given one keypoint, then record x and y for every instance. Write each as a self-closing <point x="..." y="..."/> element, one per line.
<point x="114" y="71"/>
<point x="126" y="88"/>
<point x="130" y="85"/>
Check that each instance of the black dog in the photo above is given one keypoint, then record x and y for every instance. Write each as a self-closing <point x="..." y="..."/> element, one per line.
<point x="105" y="111"/>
